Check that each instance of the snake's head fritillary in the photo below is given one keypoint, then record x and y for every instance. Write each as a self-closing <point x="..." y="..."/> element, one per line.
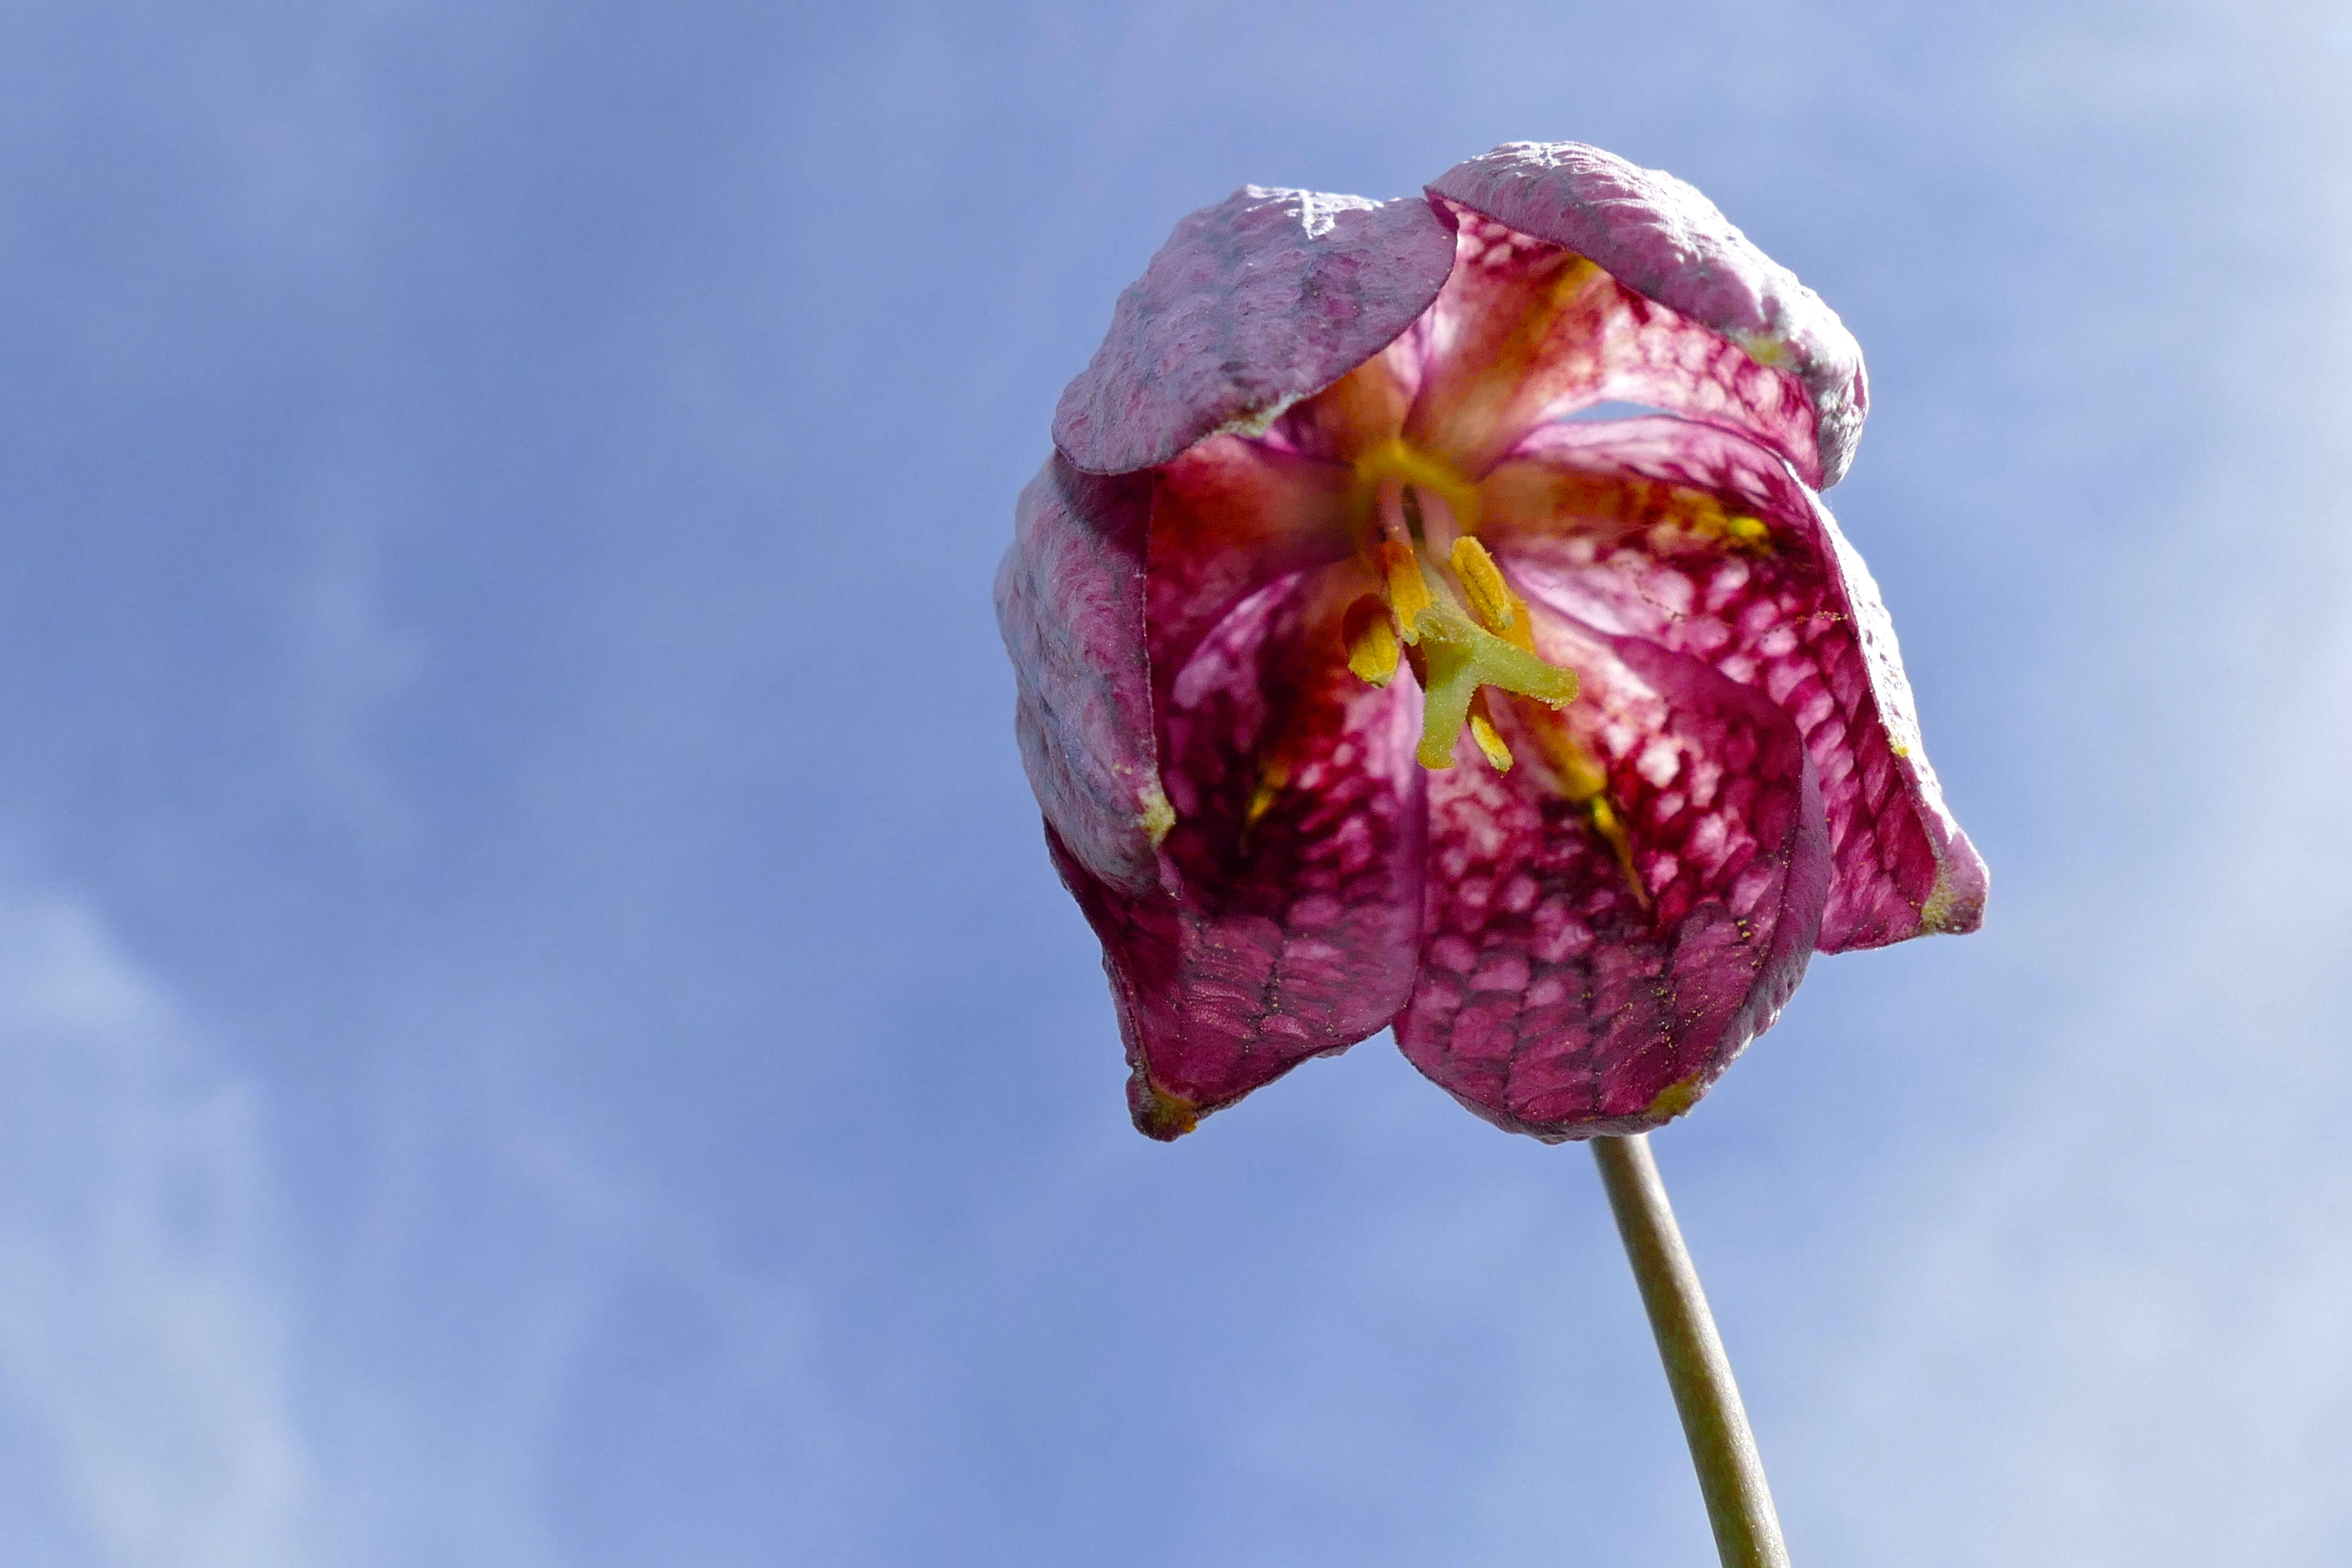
<point x="1366" y="678"/>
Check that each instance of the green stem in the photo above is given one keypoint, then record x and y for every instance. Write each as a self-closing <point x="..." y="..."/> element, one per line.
<point x="1730" y="1475"/>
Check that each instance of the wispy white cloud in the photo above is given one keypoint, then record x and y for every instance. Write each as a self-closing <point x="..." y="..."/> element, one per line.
<point x="537" y="1321"/>
<point x="145" y="1345"/>
<point x="2108" y="1327"/>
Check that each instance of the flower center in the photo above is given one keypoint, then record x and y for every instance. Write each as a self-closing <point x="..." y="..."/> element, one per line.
<point x="1442" y="605"/>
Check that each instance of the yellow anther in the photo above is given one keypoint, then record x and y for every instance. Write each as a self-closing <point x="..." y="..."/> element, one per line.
<point x="1582" y="781"/>
<point x="1408" y="590"/>
<point x="1273" y="774"/>
<point x="1611" y="828"/>
<point x="1370" y="639"/>
<point x="1395" y="459"/>
<point x="1456" y="654"/>
<point x="1580" y="778"/>
<point x="1747" y="530"/>
<point x="1490" y="596"/>
<point x="1498" y="755"/>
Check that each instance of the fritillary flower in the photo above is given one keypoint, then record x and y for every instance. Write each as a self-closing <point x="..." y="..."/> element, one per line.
<point x="1429" y="619"/>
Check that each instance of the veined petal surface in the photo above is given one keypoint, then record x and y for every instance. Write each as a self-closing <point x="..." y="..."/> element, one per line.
<point x="1262" y="299"/>
<point x="1229" y="517"/>
<point x="1667" y="243"/>
<point x="1288" y="920"/>
<point x="1569" y="989"/>
<point x="1631" y="526"/>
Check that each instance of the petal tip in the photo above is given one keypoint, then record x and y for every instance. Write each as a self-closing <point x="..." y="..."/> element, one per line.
<point x="1956" y="905"/>
<point x="1677" y="1098"/>
<point x="1156" y="815"/>
<point x="1158" y="1115"/>
<point x="1661" y="237"/>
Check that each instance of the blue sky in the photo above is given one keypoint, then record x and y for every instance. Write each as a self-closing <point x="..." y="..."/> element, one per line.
<point x="535" y="1025"/>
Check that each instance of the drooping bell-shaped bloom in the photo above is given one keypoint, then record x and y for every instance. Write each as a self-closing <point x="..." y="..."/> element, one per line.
<point x="1363" y="683"/>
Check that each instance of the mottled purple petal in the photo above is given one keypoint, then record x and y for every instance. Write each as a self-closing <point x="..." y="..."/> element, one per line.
<point x="1875" y="910"/>
<point x="1524" y="333"/>
<point x="1229" y="517"/>
<point x="1558" y="998"/>
<point x="1663" y="239"/>
<point x="1290" y="916"/>
<point x="1069" y="602"/>
<point x="1622" y="524"/>
<point x="1579" y="945"/>
<point x="1254" y="303"/>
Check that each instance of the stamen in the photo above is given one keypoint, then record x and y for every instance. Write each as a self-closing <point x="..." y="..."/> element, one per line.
<point x="1498" y="755"/>
<point x="1584" y="782"/>
<point x="1456" y="654"/>
<point x="1157" y="815"/>
<point x="1675" y="1097"/>
<point x="1582" y="779"/>
<point x="1611" y="828"/>
<point x="1490" y="596"/>
<point x="1695" y="517"/>
<point x="1408" y="589"/>
<point x="1273" y="774"/>
<point x="1371" y="640"/>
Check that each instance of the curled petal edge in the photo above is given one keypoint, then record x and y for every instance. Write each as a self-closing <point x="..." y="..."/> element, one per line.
<point x="1661" y="239"/>
<point x="1285" y="925"/>
<point x="1069" y="603"/>
<point x="1954" y="901"/>
<point x="1267" y="298"/>
<point x="1900" y="873"/>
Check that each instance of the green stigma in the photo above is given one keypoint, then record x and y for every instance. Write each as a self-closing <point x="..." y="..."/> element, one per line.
<point x="1458" y="655"/>
<point x="1464" y="628"/>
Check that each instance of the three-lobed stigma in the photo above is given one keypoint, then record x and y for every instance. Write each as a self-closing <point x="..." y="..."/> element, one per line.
<point x="1442" y="604"/>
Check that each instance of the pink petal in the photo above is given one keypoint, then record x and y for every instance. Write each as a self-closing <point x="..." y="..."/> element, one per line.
<point x="1360" y="410"/>
<point x="1252" y="304"/>
<point x="1551" y="1001"/>
<point x="1666" y="242"/>
<point x="1286" y="938"/>
<point x="1523" y="333"/>
<point x="1798" y="619"/>
<point x="1069" y="602"/>
<point x="1229" y="517"/>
